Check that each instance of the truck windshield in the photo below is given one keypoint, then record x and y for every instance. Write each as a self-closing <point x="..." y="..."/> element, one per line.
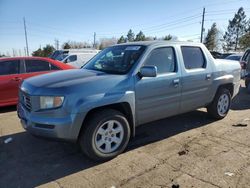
<point x="116" y="59"/>
<point x="59" y="55"/>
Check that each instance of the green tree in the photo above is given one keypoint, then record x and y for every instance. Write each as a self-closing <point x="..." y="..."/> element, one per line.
<point x="245" y="41"/>
<point x="121" y="40"/>
<point x="168" y="37"/>
<point x="38" y="53"/>
<point x="66" y="46"/>
<point x="211" y="41"/>
<point x="106" y="42"/>
<point x="101" y="46"/>
<point x="130" y="36"/>
<point x="45" y="52"/>
<point x="236" y="29"/>
<point x="140" y="37"/>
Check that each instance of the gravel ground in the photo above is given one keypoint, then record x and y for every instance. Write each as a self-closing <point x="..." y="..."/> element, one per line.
<point x="189" y="150"/>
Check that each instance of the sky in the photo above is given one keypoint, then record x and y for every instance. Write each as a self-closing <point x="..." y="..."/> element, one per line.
<point x="77" y="20"/>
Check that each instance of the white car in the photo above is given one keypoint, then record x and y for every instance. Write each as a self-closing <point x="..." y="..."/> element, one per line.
<point x="78" y="59"/>
<point x="74" y="57"/>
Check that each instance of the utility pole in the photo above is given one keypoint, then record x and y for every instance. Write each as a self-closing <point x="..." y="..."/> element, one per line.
<point x="94" y="45"/>
<point x="202" y="25"/>
<point x="57" y="44"/>
<point x="24" y="49"/>
<point x="26" y="39"/>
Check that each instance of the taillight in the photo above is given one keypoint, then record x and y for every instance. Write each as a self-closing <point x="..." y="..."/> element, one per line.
<point x="243" y="64"/>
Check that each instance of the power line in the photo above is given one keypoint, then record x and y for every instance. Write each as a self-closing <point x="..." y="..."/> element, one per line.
<point x="161" y="26"/>
<point x="38" y="30"/>
<point x="227" y="10"/>
<point x="180" y="26"/>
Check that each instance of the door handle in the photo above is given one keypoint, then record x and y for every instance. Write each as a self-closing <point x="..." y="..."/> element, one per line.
<point x="16" y="79"/>
<point x="208" y="76"/>
<point x="176" y="82"/>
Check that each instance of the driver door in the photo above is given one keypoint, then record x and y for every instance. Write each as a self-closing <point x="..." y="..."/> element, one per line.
<point x="159" y="97"/>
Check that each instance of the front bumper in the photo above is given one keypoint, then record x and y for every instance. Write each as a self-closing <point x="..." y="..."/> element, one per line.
<point x="63" y="128"/>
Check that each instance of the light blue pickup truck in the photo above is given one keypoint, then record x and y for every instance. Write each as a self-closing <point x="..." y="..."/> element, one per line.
<point x="100" y="105"/>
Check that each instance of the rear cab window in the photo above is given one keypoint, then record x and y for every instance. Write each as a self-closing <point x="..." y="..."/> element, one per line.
<point x="9" y="67"/>
<point x="193" y="57"/>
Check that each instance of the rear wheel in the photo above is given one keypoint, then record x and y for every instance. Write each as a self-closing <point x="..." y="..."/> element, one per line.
<point x="221" y="104"/>
<point x="106" y="135"/>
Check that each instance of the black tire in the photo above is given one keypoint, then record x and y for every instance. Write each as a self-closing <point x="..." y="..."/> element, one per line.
<point x="88" y="135"/>
<point x="212" y="109"/>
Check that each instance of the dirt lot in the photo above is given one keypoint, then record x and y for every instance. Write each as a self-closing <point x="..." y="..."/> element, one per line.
<point x="189" y="150"/>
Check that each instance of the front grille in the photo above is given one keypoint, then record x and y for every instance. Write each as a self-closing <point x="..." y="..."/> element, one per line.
<point x="26" y="101"/>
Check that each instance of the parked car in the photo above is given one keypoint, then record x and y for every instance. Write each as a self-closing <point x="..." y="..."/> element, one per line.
<point x="77" y="60"/>
<point x="224" y="55"/>
<point x="216" y="55"/>
<point x="245" y="64"/>
<point x="74" y="57"/>
<point x="235" y="57"/>
<point x="14" y="70"/>
<point x="124" y="86"/>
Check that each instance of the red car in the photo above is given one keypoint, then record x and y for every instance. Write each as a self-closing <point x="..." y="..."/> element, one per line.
<point x="14" y="70"/>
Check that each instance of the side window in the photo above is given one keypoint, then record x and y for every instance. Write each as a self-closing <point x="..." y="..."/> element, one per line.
<point x="9" y="67"/>
<point x="193" y="57"/>
<point x="53" y="67"/>
<point x="36" y="66"/>
<point x="164" y="59"/>
<point x="72" y="58"/>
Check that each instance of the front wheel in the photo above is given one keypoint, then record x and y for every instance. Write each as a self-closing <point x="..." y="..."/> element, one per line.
<point x="106" y="135"/>
<point x="220" y="106"/>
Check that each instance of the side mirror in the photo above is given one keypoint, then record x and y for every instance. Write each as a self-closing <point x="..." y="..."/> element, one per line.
<point x="66" y="61"/>
<point x="148" y="71"/>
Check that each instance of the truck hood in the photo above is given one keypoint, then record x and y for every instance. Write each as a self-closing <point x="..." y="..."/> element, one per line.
<point x="68" y="81"/>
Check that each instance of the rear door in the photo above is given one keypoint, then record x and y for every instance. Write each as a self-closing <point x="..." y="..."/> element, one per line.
<point x="33" y="67"/>
<point x="9" y="81"/>
<point x="196" y="78"/>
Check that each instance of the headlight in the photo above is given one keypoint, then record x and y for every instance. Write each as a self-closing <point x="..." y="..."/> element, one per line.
<point x="50" y="102"/>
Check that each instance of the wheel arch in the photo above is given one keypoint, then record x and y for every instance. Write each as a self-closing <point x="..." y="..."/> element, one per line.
<point x="123" y="107"/>
<point x="228" y="86"/>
